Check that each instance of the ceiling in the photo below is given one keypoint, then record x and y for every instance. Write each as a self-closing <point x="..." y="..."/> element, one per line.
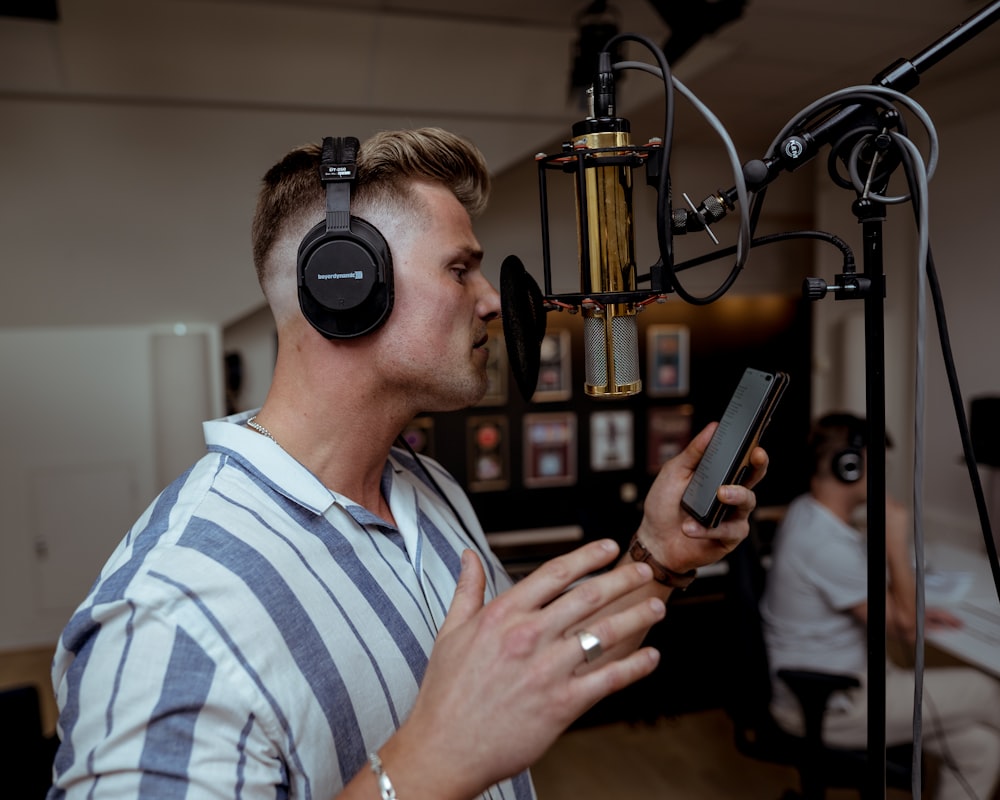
<point x="496" y="71"/>
<point x="753" y="72"/>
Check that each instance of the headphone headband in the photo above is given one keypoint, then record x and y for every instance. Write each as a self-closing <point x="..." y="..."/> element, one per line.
<point x="344" y="264"/>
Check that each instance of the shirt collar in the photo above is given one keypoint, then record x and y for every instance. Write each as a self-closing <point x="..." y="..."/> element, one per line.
<point x="263" y="457"/>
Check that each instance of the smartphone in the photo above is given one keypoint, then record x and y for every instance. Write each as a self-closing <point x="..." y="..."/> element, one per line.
<point x="727" y="457"/>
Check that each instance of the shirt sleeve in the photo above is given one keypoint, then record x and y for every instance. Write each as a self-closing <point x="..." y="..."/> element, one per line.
<point x="147" y="713"/>
<point x="839" y="570"/>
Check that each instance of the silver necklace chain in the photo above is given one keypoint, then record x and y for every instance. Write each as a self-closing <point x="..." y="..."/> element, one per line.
<point x="252" y="423"/>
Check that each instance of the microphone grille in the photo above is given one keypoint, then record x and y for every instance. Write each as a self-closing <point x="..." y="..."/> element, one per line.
<point x="625" y="334"/>
<point x="625" y="351"/>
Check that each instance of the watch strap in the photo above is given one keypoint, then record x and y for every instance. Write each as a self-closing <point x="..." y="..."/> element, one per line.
<point x="678" y="580"/>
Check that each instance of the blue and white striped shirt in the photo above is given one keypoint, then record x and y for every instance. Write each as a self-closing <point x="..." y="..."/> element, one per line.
<point x="256" y="635"/>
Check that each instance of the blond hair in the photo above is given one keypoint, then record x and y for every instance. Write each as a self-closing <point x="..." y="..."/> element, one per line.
<point x="388" y="165"/>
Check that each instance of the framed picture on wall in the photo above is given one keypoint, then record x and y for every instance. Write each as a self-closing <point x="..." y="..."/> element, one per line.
<point x="555" y="367"/>
<point x="550" y="449"/>
<point x="667" y="360"/>
<point x="496" y="373"/>
<point x="611" y="444"/>
<point x="669" y="431"/>
<point x="488" y="453"/>
<point x="419" y="434"/>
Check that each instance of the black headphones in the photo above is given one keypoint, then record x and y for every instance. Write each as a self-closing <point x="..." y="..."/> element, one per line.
<point x="344" y="264"/>
<point x="848" y="464"/>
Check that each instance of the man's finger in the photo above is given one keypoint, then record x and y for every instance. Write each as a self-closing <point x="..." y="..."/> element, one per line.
<point x="469" y="592"/>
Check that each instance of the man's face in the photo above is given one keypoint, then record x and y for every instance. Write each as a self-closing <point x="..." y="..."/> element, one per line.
<point x="432" y="348"/>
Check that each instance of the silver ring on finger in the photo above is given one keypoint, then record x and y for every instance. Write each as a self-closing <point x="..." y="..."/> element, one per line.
<point x="591" y="645"/>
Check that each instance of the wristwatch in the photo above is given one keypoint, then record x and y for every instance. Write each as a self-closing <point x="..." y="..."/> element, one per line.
<point x="661" y="574"/>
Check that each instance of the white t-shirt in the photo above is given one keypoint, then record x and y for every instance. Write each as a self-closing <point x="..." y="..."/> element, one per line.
<point x="819" y="572"/>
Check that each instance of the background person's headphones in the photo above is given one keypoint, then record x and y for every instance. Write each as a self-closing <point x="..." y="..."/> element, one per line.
<point x="344" y="264"/>
<point x="848" y="463"/>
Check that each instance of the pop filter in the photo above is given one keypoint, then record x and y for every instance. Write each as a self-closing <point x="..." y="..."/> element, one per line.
<point x="523" y="313"/>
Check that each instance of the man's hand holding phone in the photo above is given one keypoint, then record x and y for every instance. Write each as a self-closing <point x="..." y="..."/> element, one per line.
<point x="726" y="460"/>
<point x="676" y="539"/>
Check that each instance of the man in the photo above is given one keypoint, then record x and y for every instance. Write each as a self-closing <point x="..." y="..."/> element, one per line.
<point x="302" y="614"/>
<point x="815" y="612"/>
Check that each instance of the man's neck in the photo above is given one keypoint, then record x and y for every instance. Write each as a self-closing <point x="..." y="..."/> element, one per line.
<point x="344" y="442"/>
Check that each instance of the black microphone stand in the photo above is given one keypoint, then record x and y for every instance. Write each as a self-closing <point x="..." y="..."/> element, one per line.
<point x="872" y="215"/>
<point x="901" y="76"/>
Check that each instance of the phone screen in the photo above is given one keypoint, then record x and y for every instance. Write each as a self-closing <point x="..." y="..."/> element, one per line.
<point x="747" y="414"/>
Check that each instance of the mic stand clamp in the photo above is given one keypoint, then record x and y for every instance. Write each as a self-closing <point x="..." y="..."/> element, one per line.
<point x="846" y="286"/>
<point x="849" y="285"/>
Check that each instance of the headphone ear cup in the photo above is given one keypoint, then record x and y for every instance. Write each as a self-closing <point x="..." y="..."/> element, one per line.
<point x="345" y="279"/>
<point x="848" y="465"/>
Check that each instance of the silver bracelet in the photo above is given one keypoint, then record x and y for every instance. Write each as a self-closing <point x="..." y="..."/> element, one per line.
<point x="385" y="788"/>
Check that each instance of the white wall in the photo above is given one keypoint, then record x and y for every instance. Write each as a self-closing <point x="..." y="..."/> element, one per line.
<point x="253" y="338"/>
<point x="96" y="419"/>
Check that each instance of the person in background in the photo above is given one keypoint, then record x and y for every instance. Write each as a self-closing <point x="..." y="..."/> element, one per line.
<point x="313" y="611"/>
<point x="815" y="614"/>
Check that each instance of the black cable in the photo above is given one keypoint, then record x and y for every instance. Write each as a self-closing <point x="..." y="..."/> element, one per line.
<point x="946" y="756"/>
<point x="771" y="238"/>
<point x="963" y="423"/>
<point x="664" y="232"/>
<point x="958" y="402"/>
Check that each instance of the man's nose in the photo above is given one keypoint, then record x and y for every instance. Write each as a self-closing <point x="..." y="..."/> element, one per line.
<point x="489" y="301"/>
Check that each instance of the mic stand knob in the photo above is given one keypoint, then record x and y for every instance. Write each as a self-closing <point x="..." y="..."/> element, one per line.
<point x="847" y="286"/>
<point x="814" y="288"/>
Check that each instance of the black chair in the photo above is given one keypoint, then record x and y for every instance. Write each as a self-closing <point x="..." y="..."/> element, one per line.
<point x="26" y="753"/>
<point x="748" y="698"/>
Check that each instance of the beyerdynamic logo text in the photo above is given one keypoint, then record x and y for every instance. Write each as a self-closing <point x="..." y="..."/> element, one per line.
<point x="339" y="276"/>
